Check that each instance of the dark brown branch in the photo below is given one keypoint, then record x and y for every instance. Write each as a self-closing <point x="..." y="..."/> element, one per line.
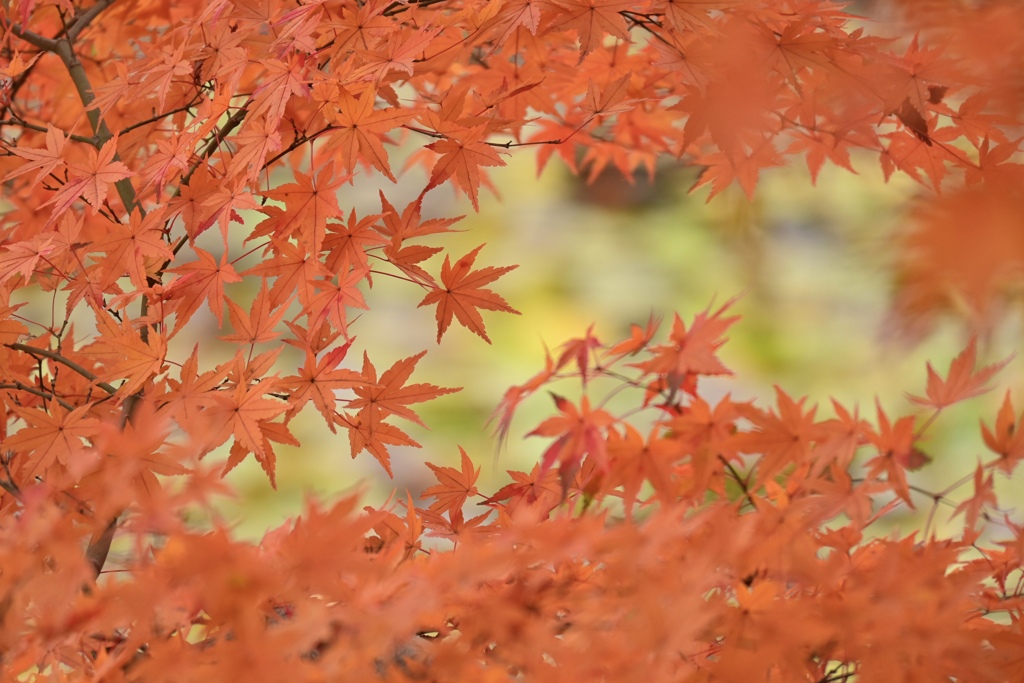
<point x="82" y="21"/>
<point x="53" y="355"/>
<point x="157" y="117"/>
<point x="16" y="120"/>
<point x="41" y="393"/>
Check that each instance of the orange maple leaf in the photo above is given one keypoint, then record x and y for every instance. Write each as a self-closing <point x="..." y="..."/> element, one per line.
<point x="244" y="410"/>
<point x="377" y="399"/>
<point x="360" y="130"/>
<point x="52" y="435"/>
<point x="692" y="352"/>
<point x="455" y="485"/>
<point x="45" y="160"/>
<point x="334" y="299"/>
<point x="293" y="271"/>
<point x="128" y="247"/>
<point x="635" y="460"/>
<point x="592" y="20"/>
<point x="389" y="395"/>
<point x="579" y="432"/>
<point x="400" y="53"/>
<point x="400" y="227"/>
<point x="462" y="156"/>
<point x="201" y="280"/>
<point x="897" y="452"/>
<point x="257" y="325"/>
<point x="122" y="353"/>
<point x="90" y="180"/>
<point x="961" y="383"/>
<point x="309" y="202"/>
<point x="1006" y="439"/>
<point x="317" y="381"/>
<point x="461" y="294"/>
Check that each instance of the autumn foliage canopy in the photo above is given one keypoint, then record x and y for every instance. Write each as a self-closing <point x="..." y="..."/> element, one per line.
<point x="167" y="164"/>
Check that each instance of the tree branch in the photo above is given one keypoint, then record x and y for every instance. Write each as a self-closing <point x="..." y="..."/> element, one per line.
<point x="62" y="46"/>
<point x="41" y="393"/>
<point x="82" y="21"/>
<point x="53" y="355"/>
<point x="16" y="120"/>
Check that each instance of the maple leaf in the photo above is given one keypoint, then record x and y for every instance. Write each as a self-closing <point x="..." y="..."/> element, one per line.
<point x="592" y="20"/>
<point x="1006" y="439"/>
<point x="268" y="431"/>
<point x="259" y="324"/>
<point x="400" y="227"/>
<point x="243" y="410"/>
<point x="193" y="393"/>
<point x="721" y="169"/>
<point x="579" y="350"/>
<point x="21" y="258"/>
<point x="961" y="383"/>
<point x="389" y="395"/>
<point x="128" y="247"/>
<point x="255" y="142"/>
<point x="318" y="381"/>
<point x="692" y="352"/>
<point x="455" y="486"/>
<point x="11" y="331"/>
<point x="515" y="13"/>
<point x="361" y="128"/>
<point x="332" y="302"/>
<point x="352" y="241"/>
<point x="283" y="81"/>
<point x="407" y="259"/>
<point x="399" y="53"/>
<point x="89" y="179"/>
<point x="462" y="155"/>
<point x="222" y="207"/>
<point x="293" y="271"/>
<point x="896" y="452"/>
<point x="122" y="353"/>
<point x="308" y="205"/>
<point x="635" y="460"/>
<point x="611" y="99"/>
<point x="201" y="281"/>
<point x="454" y="527"/>
<point x="377" y="399"/>
<point x="368" y="431"/>
<point x="44" y="160"/>
<point x="579" y="432"/>
<point x="782" y="439"/>
<point x="639" y="337"/>
<point x="52" y="435"/>
<point x="532" y="487"/>
<point x="461" y="294"/>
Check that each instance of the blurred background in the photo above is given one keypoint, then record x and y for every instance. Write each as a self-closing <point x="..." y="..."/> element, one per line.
<point x="816" y="268"/>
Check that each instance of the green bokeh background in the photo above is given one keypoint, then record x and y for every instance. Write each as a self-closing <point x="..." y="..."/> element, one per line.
<point x="812" y="263"/>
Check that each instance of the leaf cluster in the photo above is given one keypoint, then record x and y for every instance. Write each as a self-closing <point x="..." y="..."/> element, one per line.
<point x="158" y="158"/>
